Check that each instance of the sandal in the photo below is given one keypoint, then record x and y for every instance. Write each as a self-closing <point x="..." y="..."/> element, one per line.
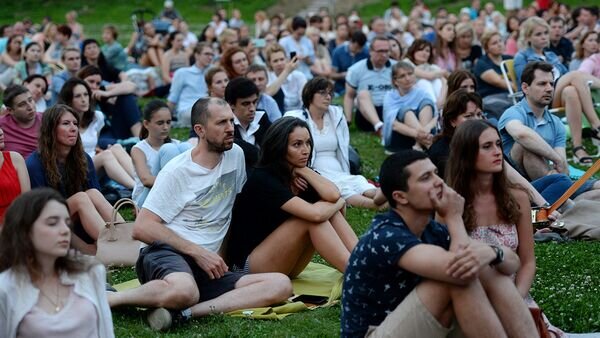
<point x="585" y="161"/>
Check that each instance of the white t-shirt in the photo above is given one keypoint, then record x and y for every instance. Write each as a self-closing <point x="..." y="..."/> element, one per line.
<point x="196" y="202"/>
<point x="89" y="136"/>
<point x="292" y="89"/>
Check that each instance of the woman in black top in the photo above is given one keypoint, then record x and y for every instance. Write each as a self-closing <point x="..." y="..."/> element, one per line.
<point x="286" y="210"/>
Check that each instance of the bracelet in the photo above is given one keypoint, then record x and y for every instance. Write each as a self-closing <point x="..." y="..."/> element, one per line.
<point x="499" y="255"/>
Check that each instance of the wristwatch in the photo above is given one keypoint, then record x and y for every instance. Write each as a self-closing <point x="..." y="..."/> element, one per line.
<point x="499" y="255"/>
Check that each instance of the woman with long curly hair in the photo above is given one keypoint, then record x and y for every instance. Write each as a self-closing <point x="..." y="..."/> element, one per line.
<point x="45" y="288"/>
<point x="61" y="163"/>
<point x="496" y="211"/>
<point x="113" y="161"/>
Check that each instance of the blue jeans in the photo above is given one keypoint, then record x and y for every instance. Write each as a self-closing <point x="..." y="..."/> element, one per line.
<point x="553" y="186"/>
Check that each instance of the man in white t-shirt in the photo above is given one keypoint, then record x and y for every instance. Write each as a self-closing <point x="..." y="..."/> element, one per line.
<point x="184" y="221"/>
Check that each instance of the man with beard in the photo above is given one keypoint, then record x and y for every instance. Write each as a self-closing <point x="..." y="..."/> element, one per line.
<point x="22" y="123"/>
<point x="532" y="137"/>
<point x="184" y="222"/>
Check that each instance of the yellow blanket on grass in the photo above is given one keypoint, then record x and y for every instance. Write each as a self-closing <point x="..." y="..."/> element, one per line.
<point x="316" y="280"/>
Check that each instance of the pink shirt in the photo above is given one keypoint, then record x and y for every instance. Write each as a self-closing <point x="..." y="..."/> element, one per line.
<point x="21" y="140"/>
<point x="591" y="65"/>
<point x="77" y="318"/>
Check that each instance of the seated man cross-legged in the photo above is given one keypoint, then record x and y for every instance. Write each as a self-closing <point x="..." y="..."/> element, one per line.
<point x="534" y="138"/>
<point x="184" y="221"/>
<point x="409" y="276"/>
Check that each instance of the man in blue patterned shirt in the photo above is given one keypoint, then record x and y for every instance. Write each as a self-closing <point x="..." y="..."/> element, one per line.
<point x="410" y="276"/>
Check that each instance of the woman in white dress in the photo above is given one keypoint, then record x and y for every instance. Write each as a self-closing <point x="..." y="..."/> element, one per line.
<point x="331" y="141"/>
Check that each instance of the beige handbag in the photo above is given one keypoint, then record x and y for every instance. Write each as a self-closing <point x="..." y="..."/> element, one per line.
<point x="115" y="244"/>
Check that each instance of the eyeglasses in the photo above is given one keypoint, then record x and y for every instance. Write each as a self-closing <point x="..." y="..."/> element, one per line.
<point x="325" y="92"/>
<point x="382" y="51"/>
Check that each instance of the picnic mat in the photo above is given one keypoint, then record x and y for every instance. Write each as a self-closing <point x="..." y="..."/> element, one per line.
<point x="316" y="280"/>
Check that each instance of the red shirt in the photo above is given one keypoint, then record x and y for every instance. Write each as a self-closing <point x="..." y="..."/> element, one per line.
<point x="544" y="4"/>
<point x="21" y="140"/>
<point x="10" y="187"/>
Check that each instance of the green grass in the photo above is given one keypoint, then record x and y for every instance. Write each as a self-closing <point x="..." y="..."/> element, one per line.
<point x="93" y="16"/>
<point x="567" y="284"/>
<point x="568" y="278"/>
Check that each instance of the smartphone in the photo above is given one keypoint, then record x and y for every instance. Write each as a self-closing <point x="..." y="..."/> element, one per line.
<point x="310" y="299"/>
<point x="260" y="43"/>
<point x="292" y="54"/>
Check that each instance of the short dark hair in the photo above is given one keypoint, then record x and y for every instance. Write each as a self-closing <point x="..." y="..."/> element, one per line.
<point x="255" y="67"/>
<point x="528" y="74"/>
<point x="557" y="19"/>
<point x="240" y="88"/>
<point x="87" y="71"/>
<point x="12" y="92"/>
<point x="65" y="30"/>
<point x="359" y="38"/>
<point x="32" y="77"/>
<point x="393" y="175"/>
<point x="200" y="111"/>
<point x="315" y="19"/>
<point x="298" y="22"/>
<point x="312" y="87"/>
<point x="378" y="38"/>
<point x="456" y="104"/>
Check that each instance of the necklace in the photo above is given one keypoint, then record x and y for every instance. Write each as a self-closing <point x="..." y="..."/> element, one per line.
<point x="57" y="304"/>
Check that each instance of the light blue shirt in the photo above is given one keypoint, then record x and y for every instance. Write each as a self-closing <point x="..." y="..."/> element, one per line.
<point x="523" y="57"/>
<point x="58" y="81"/>
<point x="550" y="128"/>
<point x="187" y="87"/>
<point x="396" y="105"/>
<point x="303" y="47"/>
<point x="269" y="105"/>
<point x="363" y="76"/>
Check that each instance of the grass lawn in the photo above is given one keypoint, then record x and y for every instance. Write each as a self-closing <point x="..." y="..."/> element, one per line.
<point x="568" y="279"/>
<point x="95" y="15"/>
<point x="567" y="284"/>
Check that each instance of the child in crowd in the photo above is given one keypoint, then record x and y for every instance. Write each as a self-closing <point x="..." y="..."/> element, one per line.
<point x="154" y="150"/>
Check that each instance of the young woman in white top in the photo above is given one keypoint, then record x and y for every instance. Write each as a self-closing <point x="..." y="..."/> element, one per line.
<point x="114" y="161"/>
<point x="46" y="289"/>
<point x="154" y="150"/>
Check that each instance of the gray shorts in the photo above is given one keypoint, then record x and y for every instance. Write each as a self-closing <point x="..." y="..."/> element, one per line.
<point x="158" y="260"/>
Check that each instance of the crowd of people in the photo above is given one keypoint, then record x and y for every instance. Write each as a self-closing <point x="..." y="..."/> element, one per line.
<point x="230" y="215"/>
